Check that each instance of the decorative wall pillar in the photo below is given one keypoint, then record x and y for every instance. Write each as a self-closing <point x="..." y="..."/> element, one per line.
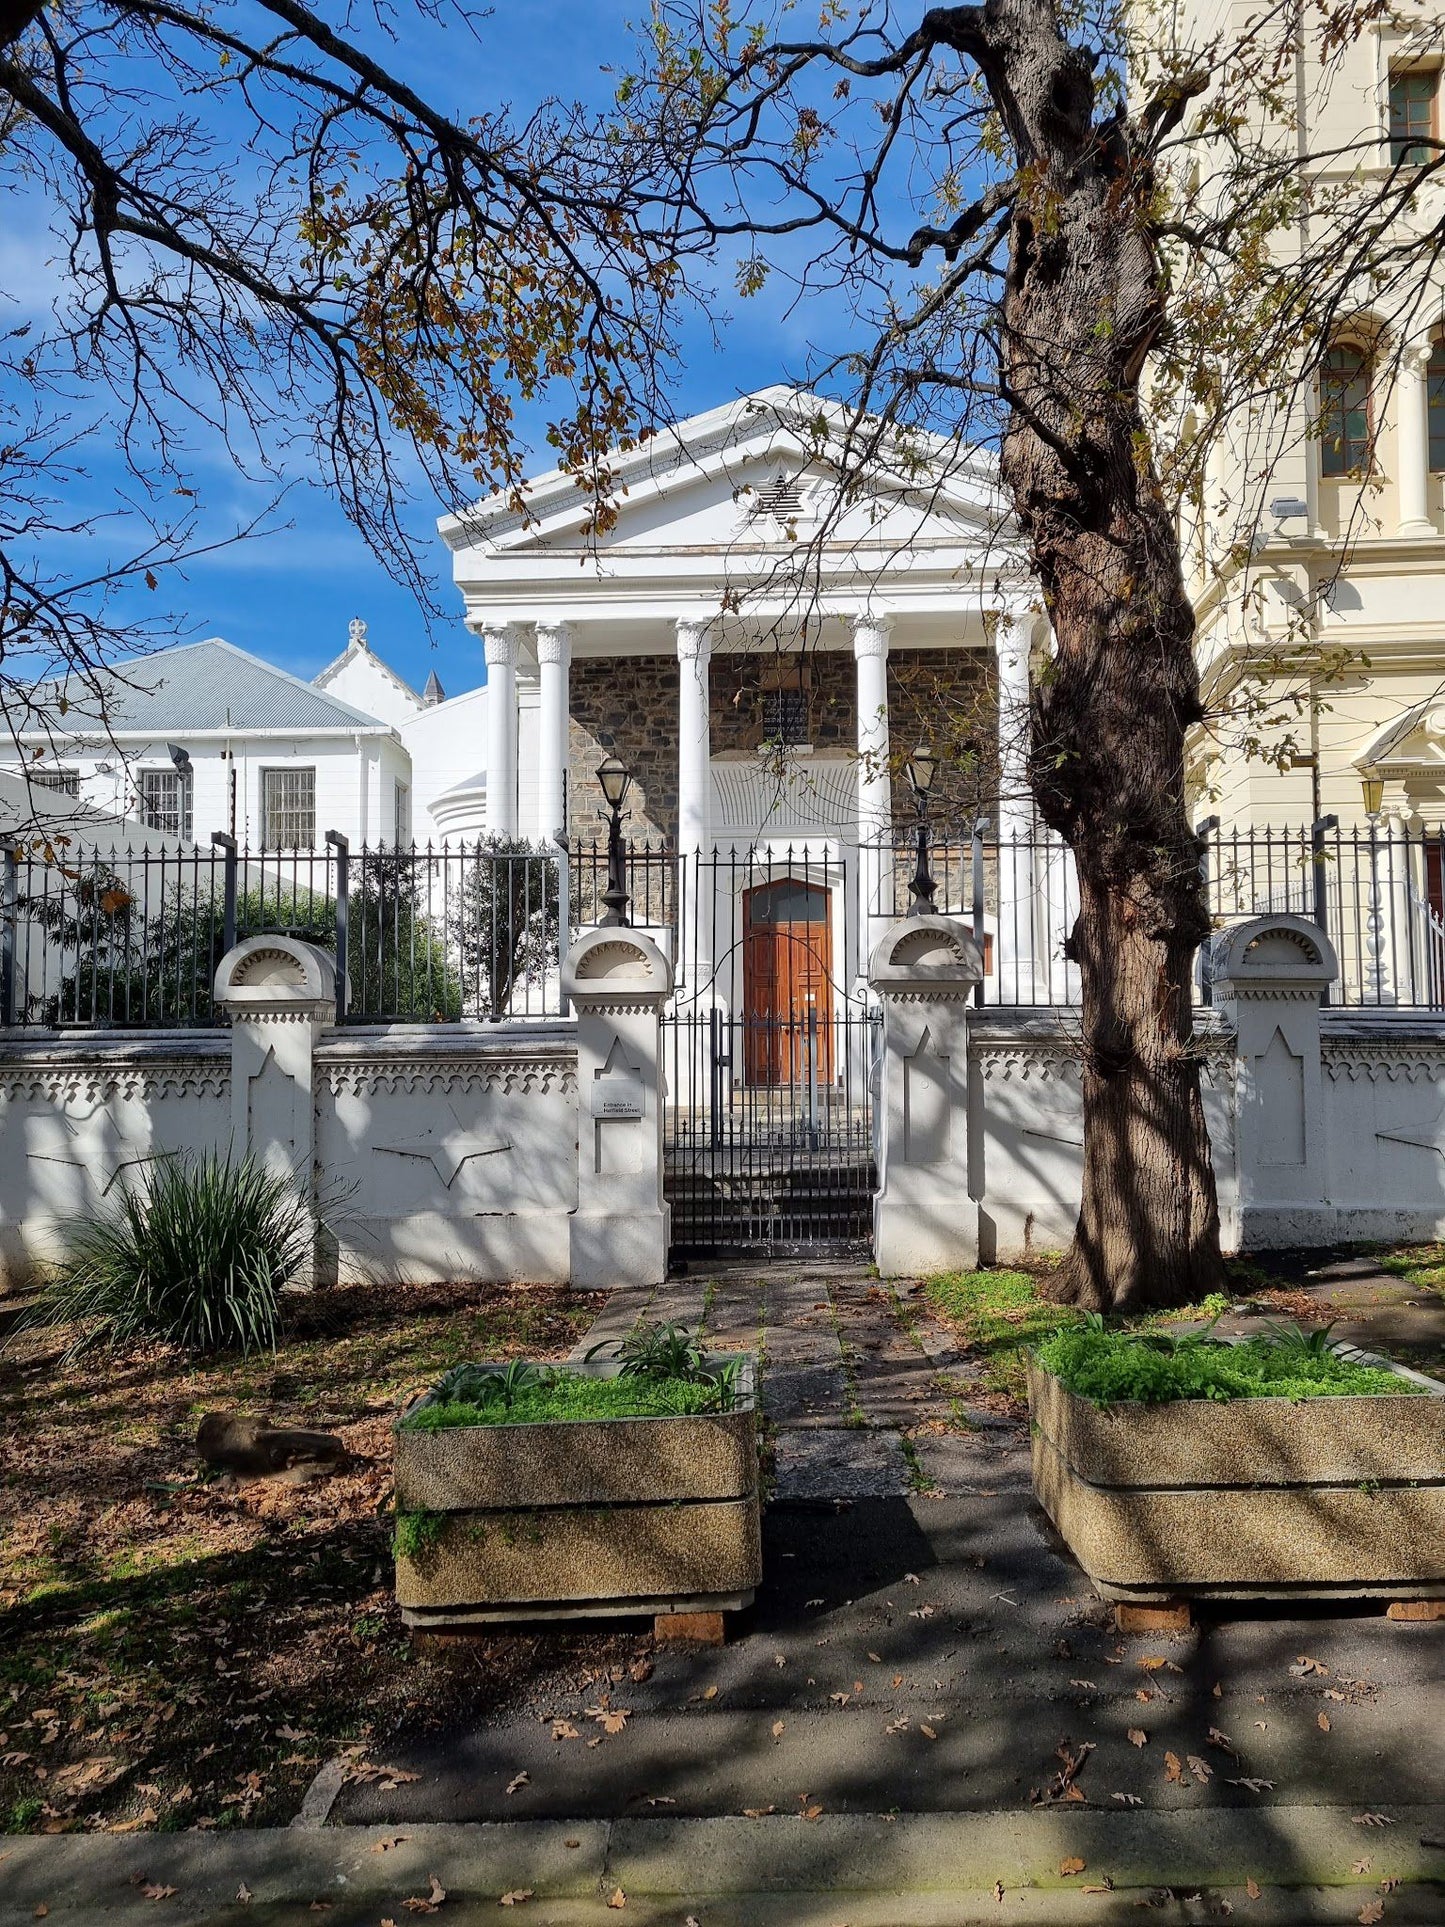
<point x="280" y="995"/>
<point x="1017" y="939"/>
<point x="1412" y="441"/>
<point x="554" y="661"/>
<point x="694" y="802"/>
<point x="501" y="647"/>
<point x="618" y="981"/>
<point x="1270" y="973"/>
<point x="875" y="791"/>
<point x="923" y="970"/>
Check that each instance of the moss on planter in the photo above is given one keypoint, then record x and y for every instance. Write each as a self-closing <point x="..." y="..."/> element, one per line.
<point x="1112" y="1367"/>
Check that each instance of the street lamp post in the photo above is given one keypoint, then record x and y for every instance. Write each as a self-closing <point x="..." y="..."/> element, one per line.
<point x="615" y="781"/>
<point x="921" y="768"/>
<point x="1380" y="991"/>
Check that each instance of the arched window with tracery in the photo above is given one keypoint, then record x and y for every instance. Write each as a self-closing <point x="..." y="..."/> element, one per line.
<point x="1345" y="410"/>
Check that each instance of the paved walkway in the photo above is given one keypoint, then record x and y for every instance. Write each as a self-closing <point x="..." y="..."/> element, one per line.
<point x="863" y="1395"/>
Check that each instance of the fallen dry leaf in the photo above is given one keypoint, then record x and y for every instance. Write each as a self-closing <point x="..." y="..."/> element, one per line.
<point x="41" y="1911"/>
<point x="1304" y="1666"/>
<point x="429" y="1903"/>
<point x="564" y="1730"/>
<point x="927" y="1731"/>
<point x="619" y="1899"/>
<point x="1221" y="1740"/>
<point x="1372" y="1820"/>
<point x="1359" y="1866"/>
<point x="1105" y="1886"/>
<point x="1201" y="1769"/>
<point x="388" y="1841"/>
<point x="1372" y="1911"/>
<point x="1127" y="1799"/>
<point x="1173" y="1770"/>
<point x="516" y="1896"/>
<point x="1072" y="1865"/>
<point x="998" y="1891"/>
<point x="779" y="1727"/>
<point x="153" y="1890"/>
<point x="517" y="1781"/>
<point x="812" y="1813"/>
<point x="243" y="1893"/>
<point x="757" y="1813"/>
<point x="640" y="1669"/>
<point x="1322" y="1721"/>
<point x="877" y="1658"/>
<point x="1254" y="1786"/>
<point x="147" y="1818"/>
<point x="1253" y="1888"/>
<point x="1137" y="1736"/>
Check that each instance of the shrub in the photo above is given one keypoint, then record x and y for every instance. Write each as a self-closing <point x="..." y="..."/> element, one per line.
<point x="195" y="1253"/>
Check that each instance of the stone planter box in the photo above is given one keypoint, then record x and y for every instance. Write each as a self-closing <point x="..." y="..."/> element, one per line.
<point x="1254" y="1498"/>
<point x="584" y="1518"/>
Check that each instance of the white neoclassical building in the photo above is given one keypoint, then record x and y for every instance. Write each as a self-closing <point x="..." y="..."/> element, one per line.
<point x="763" y="662"/>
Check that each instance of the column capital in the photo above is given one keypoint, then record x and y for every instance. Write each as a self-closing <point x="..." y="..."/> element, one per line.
<point x="1415" y="358"/>
<point x="500" y="641"/>
<point x="554" y="642"/>
<point x="870" y="635"/>
<point x="694" y="638"/>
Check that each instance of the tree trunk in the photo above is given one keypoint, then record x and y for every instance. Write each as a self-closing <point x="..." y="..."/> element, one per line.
<point x="1081" y="307"/>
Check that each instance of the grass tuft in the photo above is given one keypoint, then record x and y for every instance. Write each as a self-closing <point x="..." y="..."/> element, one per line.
<point x="562" y="1397"/>
<point x="1111" y="1367"/>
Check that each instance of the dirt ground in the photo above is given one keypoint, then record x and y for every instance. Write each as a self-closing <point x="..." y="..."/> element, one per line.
<point x="179" y="1651"/>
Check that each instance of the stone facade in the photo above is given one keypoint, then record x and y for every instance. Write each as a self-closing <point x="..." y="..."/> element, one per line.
<point x="628" y="706"/>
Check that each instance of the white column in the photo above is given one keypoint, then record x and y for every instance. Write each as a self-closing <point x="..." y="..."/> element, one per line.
<point x="875" y="795"/>
<point x="1017" y="944"/>
<point x="501" y="646"/>
<point x="694" y="799"/>
<point x="1412" y="443"/>
<point x="554" y="657"/>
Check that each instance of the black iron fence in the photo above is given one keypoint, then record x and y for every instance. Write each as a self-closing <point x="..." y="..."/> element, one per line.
<point x="130" y="938"/>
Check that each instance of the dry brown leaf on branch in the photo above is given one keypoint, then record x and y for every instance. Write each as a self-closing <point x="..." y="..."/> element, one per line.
<point x="1173" y="1770"/>
<point x="429" y="1902"/>
<point x="516" y="1896"/>
<point x="1072" y="1865"/>
<point x="1137" y="1736"/>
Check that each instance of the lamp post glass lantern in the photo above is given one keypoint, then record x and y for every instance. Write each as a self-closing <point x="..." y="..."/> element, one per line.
<point x="615" y="783"/>
<point x="921" y="768"/>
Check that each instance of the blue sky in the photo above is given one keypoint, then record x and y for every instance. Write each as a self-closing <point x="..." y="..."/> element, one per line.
<point x="289" y="595"/>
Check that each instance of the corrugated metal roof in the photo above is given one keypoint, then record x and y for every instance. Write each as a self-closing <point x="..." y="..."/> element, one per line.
<point x="213" y="685"/>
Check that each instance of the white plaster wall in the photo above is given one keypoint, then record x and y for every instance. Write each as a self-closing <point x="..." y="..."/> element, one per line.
<point x="364" y="681"/>
<point x="1384" y="1102"/>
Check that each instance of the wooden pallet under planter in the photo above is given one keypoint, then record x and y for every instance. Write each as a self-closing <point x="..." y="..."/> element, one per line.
<point x="1259" y="1498"/>
<point x="585" y="1518"/>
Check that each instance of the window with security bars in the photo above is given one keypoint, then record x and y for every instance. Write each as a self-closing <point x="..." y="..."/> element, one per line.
<point x="288" y="809"/>
<point x="785" y="715"/>
<point x="165" y="802"/>
<point x="1345" y="435"/>
<point x="67" y="781"/>
<point x="1412" y="116"/>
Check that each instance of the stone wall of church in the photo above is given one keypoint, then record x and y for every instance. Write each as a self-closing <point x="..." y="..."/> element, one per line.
<point x="627" y="706"/>
<point x="624" y="706"/>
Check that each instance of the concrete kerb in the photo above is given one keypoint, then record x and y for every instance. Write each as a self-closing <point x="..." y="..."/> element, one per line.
<point x="936" y="1867"/>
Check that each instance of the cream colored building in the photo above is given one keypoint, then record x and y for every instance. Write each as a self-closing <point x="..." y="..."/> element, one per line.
<point x="1317" y="552"/>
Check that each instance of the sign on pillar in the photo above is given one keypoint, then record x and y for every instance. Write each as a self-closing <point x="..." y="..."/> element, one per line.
<point x="618" y="981"/>
<point x="1269" y="975"/>
<point x="923" y="970"/>
<point x="279" y="994"/>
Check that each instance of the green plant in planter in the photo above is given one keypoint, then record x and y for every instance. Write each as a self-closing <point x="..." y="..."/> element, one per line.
<point x="194" y="1252"/>
<point x="1112" y="1367"/>
<point x="669" y="1353"/>
<point x="417" y="1534"/>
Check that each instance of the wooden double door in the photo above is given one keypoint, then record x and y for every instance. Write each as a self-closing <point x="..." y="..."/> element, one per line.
<point x="787" y="982"/>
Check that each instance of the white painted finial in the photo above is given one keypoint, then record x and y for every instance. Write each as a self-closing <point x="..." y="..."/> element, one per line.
<point x="356" y="632"/>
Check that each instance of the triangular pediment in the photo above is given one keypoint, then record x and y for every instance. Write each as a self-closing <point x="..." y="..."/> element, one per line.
<point x="1413" y="740"/>
<point x="762" y="474"/>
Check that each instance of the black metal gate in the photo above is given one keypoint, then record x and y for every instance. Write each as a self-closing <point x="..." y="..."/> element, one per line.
<point x="769" y="1056"/>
